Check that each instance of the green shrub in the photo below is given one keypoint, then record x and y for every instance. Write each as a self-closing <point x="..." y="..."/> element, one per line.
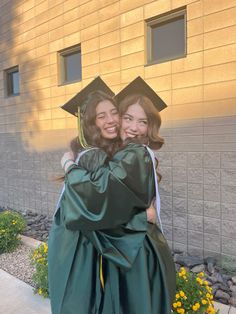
<point x="11" y="225"/>
<point x="193" y="295"/>
<point x="39" y="259"/>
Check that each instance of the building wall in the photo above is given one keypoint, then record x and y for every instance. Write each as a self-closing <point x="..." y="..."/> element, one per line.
<point x="198" y="161"/>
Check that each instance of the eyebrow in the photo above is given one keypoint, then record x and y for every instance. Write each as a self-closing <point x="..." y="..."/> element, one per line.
<point x="103" y="112"/>
<point x="130" y="116"/>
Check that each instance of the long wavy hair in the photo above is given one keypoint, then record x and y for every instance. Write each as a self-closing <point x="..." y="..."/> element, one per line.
<point x="92" y="133"/>
<point x="153" y="139"/>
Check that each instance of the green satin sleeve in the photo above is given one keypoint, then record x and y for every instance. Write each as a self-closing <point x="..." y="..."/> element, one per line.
<point x="111" y="195"/>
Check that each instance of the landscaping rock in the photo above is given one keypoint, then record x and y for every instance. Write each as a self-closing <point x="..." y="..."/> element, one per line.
<point x="186" y="260"/>
<point x="233" y="288"/>
<point x="216" y="277"/>
<point x="232" y="301"/>
<point x="198" y="268"/>
<point x="38" y="226"/>
<point x="222" y="295"/>
<point x="223" y="287"/>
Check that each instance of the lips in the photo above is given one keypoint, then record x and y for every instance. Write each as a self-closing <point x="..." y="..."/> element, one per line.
<point x="112" y="129"/>
<point x="130" y="135"/>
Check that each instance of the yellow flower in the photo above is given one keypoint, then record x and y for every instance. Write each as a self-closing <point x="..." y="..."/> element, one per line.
<point x="195" y="307"/>
<point x="209" y="289"/>
<point x="210" y="310"/>
<point x="45" y="248"/>
<point x="205" y="283"/>
<point x="177" y="296"/>
<point x="201" y="274"/>
<point x="179" y="304"/>
<point x="175" y="305"/>
<point x="40" y="291"/>
<point x="208" y="295"/>
<point x="199" y="280"/>
<point x="181" y="311"/>
<point x="204" y="301"/>
<point x="181" y="293"/>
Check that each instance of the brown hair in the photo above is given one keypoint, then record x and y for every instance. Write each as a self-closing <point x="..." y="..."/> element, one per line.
<point x="153" y="140"/>
<point x="92" y="133"/>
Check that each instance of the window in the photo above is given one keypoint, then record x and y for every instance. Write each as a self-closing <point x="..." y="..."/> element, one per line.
<point x="12" y="81"/>
<point x="70" y="65"/>
<point x="166" y="37"/>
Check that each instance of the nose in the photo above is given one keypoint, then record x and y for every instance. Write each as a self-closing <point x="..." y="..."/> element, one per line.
<point x="133" y="126"/>
<point x="110" y="118"/>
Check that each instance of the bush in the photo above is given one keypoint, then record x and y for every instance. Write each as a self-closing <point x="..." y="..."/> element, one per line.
<point x="39" y="259"/>
<point x="193" y="295"/>
<point x="11" y="225"/>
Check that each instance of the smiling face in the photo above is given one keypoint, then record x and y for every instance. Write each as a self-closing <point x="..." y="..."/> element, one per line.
<point x="134" y="122"/>
<point x="107" y="119"/>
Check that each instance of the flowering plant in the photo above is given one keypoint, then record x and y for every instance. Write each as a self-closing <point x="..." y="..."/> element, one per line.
<point x="11" y="225"/>
<point x="194" y="296"/>
<point x="39" y="259"/>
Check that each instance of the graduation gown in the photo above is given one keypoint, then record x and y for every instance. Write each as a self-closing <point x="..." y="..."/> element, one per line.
<point x="103" y="213"/>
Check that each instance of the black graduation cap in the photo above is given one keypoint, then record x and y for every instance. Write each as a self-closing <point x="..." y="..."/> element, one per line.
<point x="78" y="100"/>
<point x="139" y="86"/>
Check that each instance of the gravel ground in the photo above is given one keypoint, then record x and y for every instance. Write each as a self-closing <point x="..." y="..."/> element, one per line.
<point x="18" y="264"/>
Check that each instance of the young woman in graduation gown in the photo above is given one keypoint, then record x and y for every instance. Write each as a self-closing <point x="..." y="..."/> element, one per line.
<point x="103" y="255"/>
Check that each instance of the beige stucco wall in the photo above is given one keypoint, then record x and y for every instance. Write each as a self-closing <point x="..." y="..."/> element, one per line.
<point x="198" y="162"/>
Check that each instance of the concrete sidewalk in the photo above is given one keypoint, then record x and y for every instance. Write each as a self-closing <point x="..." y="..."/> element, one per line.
<point x="225" y="309"/>
<point x="17" y="297"/>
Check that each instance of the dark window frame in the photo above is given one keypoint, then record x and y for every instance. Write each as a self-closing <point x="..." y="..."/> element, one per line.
<point x="9" y="83"/>
<point x="62" y="66"/>
<point x="158" y="20"/>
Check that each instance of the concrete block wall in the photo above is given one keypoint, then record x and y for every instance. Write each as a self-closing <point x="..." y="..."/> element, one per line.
<point x="198" y="161"/>
<point x="198" y="187"/>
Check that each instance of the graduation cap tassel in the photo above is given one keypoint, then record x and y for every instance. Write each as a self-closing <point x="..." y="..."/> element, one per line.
<point x="101" y="276"/>
<point x="81" y="137"/>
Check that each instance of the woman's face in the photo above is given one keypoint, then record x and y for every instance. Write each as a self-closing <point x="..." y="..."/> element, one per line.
<point x="107" y="119"/>
<point x="134" y="122"/>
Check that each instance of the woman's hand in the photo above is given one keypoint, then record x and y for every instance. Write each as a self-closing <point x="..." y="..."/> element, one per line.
<point x="67" y="160"/>
<point x="151" y="214"/>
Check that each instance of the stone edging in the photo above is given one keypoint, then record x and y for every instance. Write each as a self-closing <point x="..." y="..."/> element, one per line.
<point x="30" y="242"/>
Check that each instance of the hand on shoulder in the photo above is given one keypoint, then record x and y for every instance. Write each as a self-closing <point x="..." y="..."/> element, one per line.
<point x="67" y="160"/>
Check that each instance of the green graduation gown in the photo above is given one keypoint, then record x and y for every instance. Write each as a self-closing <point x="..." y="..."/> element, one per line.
<point x="103" y="213"/>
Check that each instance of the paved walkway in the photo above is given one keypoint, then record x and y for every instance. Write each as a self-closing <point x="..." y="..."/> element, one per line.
<point x="17" y="297"/>
<point x="225" y="309"/>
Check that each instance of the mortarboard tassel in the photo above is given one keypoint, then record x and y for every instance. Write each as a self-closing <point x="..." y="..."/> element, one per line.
<point x="81" y="137"/>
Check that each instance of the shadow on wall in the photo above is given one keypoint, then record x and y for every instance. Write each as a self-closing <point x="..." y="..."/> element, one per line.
<point x="30" y="151"/>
